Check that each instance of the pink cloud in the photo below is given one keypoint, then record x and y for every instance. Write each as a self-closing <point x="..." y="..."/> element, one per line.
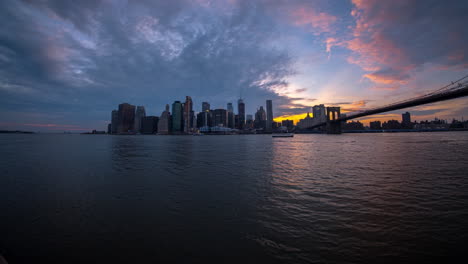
<point x="391" y="41"/>
<point x="319" y="21"/>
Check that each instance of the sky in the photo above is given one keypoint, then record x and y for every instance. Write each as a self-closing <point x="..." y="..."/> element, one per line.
<point x="65" y="65"/>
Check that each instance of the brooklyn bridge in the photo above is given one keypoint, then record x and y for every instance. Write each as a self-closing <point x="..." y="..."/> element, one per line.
<point x="334" y="118"/>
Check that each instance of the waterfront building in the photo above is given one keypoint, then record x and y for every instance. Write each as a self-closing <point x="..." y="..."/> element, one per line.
<point x="219" y="117"/>
<point x="149" y="124"/>
<point x="164" y="123"/>
<point x="126" y="118"/>
<point x="114" y="121"/>
<point x="269" y="115"/>
<point x="205" y="107"/>
<point x="406" y="120"/>
<point x="109" y="128"/>
<point x="188" y="115"/>
<point x="241" y="110"/>
<point x="307" y="122"/>
<point x="204" y="119"/>
<point x="177" y="117"/>
<point x="391" y="124"/>
<point x="287" y="123"/>
<point x="375" y="125"/>
<point x="260" y="119"/>
<point x="140" y="113"/>
<point x="353" y="125"/>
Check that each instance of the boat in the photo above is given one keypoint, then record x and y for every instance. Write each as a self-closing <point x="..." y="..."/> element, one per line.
<point x="282" y="135"/>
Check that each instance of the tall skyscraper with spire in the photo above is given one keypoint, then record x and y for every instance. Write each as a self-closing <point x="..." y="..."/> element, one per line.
<point x="241" y="109"/>
<point x="269" y="115"/>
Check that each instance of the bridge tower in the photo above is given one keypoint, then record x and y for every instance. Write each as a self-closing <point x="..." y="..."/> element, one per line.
<point x="333" y="126"/>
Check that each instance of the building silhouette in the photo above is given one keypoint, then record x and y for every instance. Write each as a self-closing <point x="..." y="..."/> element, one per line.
<point x="204" y="119"/>
<point x="406" y="120"/>
<point x="269" y="115"/>
<point x="319" y="112"/>
<point x="375" y="125"/>
<point x="114" y="121"/>
<point x="391" y="124"/>
<point x="188" y="117"/>
<point x="149" y="124"/>
<point x="260" y="119"/>
<point x="353" y="125"/>
<point x="241" y="110"/>
<point x="177" y="117"/>
<point x="205" y="106"/>
<point x="126" y="116"/>
<point x="164" y="123"/>
<point x="287" y="123"/>
<point x="230" y="116"/>
<point x="140" y="113"/>
<point x="219" y="118"/>
<point x="249" y="122"/>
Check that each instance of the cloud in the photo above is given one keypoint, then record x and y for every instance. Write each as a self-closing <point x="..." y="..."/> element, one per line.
<point x="300" y="90"/>
<point x="393" y="39"/>
<point x="57" y="55"/>
<point x="319" y="22"/>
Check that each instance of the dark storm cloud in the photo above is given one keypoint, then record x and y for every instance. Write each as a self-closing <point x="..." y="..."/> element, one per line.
<point x="92" y="55"/>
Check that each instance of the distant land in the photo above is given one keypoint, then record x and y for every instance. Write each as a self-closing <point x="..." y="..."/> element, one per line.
<point x="15" y="132"/>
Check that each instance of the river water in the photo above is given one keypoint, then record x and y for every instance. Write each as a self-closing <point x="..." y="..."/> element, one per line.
<point x="350" y="198"/>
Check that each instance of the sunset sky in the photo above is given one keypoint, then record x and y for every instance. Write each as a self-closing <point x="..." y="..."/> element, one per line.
<point x="65" y="65"/>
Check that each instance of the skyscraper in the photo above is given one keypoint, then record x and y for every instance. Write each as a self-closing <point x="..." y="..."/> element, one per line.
<point x="205" y="106"/>
<point x="164" y="123"/>
<point x="241" y="109"/>
<point x="188" y="115"/>
<point x="149" y="124"/>
<point x="260" y="118"/>
<point x="177" y="117"/>
<point x="219" y="117"/>
<point x="126" y="116"/>
<point x="269" y="115"/>
<point x="204" y="119"/>
<point x="249" y="122"/>
<point x="114" y="122"/>
<point x="406" y="120"/>
<point x="319" y="113"/>
<point x="140" y="113"/>
<point x="230" y="116"/>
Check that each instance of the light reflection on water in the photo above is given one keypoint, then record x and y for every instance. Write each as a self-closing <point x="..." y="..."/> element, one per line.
<point x="311" y="198"/>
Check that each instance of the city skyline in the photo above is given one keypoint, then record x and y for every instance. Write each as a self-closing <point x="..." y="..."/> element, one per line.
<point x="59" y="59"/>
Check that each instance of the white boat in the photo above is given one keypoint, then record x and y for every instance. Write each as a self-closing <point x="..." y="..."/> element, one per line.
<point x="282" y="135"/>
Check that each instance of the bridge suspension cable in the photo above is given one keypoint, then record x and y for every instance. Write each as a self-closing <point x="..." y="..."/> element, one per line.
<point x="459" y="84"/>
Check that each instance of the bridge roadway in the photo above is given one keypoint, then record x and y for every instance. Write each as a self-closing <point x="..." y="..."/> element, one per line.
<point x="452" y="93"/>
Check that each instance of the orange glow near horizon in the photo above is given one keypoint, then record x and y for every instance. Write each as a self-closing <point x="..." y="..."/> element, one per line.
<point x="295" y="118"/>
<point x="365" y="121"/>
